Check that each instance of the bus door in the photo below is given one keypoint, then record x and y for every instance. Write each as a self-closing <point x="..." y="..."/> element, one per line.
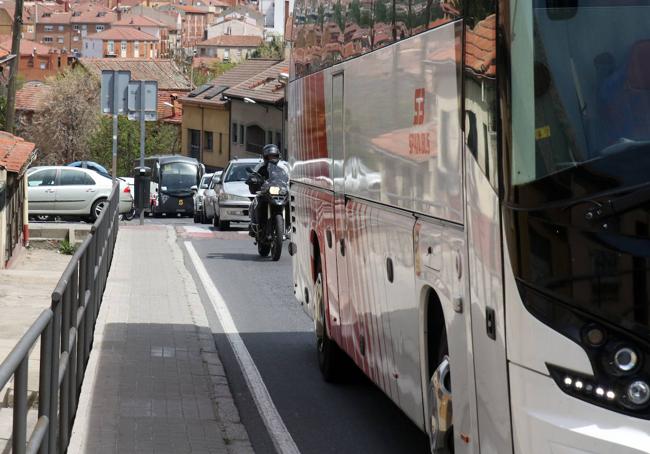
<point x="338" y="176"/>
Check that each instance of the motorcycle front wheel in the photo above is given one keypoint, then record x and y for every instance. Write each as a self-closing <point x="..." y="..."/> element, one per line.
<point x="263" y="249"/>
<point x="278" y="234"/>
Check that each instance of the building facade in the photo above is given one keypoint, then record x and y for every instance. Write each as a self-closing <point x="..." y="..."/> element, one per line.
<point x="120" y="42"/>
<point x="231" y="48"/>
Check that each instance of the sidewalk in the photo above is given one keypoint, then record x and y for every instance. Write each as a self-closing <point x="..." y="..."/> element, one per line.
<point x="154" y="382"/>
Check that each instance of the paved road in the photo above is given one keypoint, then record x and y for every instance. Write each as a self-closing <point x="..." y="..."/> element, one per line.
<point x="355" y="417"/>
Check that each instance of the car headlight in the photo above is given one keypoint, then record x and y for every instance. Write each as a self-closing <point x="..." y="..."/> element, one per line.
<point x="233" y="198"/>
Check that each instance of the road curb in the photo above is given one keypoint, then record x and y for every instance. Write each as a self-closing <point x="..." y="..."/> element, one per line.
<point x="233" y="431"/>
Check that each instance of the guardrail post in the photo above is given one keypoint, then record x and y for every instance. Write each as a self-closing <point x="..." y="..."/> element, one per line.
<point x="19" y="433"/>
<point x="54" y="376"/>
<point x="81" y="328"/>
<point x="64" y="420"/>
<point x="74" y="312"/>
<point x="45" y="385"/>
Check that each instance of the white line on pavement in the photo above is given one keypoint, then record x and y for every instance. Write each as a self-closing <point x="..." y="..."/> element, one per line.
<point x="278" y="432"/>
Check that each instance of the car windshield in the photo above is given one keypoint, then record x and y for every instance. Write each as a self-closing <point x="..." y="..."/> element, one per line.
<point x="237" y="172"/>
<point x="205" y="181"/>
<point x="578" y="95"/>
<point x="177" y="176"/>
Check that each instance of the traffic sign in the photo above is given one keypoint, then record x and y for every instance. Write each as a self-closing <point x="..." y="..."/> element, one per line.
<point x="110" y="81"/>
<point x="150" y="100"/>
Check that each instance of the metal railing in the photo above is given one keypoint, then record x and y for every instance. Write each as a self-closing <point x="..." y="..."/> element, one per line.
<point x="66" y="332"/>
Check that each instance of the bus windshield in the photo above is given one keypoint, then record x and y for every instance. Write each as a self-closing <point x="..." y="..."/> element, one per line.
<point x="178" y="176"/>
<point x="584" y="89"/>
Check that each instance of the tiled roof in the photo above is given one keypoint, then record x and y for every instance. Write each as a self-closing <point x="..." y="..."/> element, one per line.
<point x="15" y="152"/>
<point x="191" y="9"/>
<point x="96" y="15"/>
<point x="138" y="21"/>
<point x="32" y="96"/>
<point x="27" y="47"/>
<point x="232" y="41"/>
<point x="165" y="72"/>
<point x="481" y="49"/>
<point x="123" y="34"/>
<point x="57" y="18"/>
<point x="264" y="87"/>
<point x="240" y="73"/>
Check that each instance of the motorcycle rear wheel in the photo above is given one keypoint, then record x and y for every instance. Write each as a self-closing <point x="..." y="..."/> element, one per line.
<point x="278" y="234"/>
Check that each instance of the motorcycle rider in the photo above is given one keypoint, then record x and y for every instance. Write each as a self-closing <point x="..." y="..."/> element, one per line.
<point x="270" y="155"/>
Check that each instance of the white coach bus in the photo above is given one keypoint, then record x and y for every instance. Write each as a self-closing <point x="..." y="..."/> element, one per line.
<point x="470" y="206"/>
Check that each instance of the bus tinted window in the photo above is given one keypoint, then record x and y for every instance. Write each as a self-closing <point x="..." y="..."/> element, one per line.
<point x="327" y="32"/>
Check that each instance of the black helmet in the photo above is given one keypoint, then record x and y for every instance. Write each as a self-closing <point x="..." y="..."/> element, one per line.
<point x="270" y="152"/>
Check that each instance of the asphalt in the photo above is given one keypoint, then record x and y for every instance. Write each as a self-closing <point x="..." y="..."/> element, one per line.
<point x="351" y="417"/>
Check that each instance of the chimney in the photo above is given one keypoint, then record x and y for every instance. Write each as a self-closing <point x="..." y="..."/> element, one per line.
<point x="119" y="14"/>
<point x="66" y="6"/>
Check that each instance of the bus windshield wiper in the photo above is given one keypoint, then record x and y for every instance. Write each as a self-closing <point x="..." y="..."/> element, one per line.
<point x="617" y="205"/>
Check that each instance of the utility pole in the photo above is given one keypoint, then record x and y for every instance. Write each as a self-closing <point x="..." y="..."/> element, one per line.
<point x="142" y="132"/>
<point x="15" y="50"/>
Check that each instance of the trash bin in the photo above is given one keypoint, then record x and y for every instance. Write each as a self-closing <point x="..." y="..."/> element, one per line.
<point x="142" y="190"/>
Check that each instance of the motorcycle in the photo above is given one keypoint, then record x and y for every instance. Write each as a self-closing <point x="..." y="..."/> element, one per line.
<point x="273" y="197"/>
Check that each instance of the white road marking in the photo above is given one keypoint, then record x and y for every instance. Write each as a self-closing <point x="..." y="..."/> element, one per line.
<point x="278" y="432"/>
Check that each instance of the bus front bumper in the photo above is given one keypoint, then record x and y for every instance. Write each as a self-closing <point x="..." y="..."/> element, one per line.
<point x="546" y="420"/>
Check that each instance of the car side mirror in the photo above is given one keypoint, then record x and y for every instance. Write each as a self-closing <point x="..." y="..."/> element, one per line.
<point x="218" y="180"/>
<point x="194" y="188"/>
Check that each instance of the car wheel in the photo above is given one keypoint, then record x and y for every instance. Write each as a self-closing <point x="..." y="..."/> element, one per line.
<point x="97" y="208"/>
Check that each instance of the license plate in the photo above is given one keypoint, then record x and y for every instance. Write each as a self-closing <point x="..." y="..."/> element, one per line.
<point x="274" y="190"/>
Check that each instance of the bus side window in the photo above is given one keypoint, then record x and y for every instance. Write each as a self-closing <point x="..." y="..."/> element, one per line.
<point x="481" y="121"/>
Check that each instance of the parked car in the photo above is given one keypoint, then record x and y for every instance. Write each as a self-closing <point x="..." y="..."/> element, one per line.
<point x="91" y="165"/>
<point x="209" y="196"/>
<point x="199" y="209"/>
<point x="230" y="197"/>
<point x="70" y="191"/>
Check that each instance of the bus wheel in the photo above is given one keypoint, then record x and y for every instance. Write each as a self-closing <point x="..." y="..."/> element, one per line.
<point x="441" y="435"/>
<point x="330" y="357"/>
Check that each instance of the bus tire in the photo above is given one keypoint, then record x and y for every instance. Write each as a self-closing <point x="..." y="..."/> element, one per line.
<point x="441" y="430"/>
<point x="330" y="356"/>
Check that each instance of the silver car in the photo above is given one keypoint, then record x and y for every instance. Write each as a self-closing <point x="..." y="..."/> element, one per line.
<point x="70" y="191"/>
<point x="199" y="207"/>
<point x="232" y="196"/>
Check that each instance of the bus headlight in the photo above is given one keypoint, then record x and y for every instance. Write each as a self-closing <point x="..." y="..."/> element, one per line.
<point x="620" y="360"/>
<point x="625" y="359"/>
<point x="638" y="392"/>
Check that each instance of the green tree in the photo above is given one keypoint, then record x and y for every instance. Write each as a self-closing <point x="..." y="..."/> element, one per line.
<point x="270" y="49"/>
<point x="71" y="112"/>
<point x="160" y="138"/>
